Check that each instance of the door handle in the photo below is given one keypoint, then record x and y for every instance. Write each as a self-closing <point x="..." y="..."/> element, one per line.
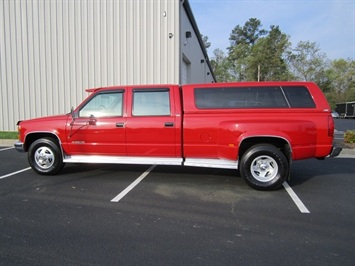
<point x="119" y="124"/>
<point x="168" y="124"/>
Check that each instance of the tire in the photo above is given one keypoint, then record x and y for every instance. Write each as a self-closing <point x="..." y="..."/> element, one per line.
<point x="45" y="157"/>
<point x="264" y="167"/>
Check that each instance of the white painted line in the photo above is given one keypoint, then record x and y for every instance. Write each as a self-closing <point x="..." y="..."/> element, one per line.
<point x="4" y="149"/>
<point x="14" y="173"/>
<point x="131" y="186"/>
<point x="295" y="198"/>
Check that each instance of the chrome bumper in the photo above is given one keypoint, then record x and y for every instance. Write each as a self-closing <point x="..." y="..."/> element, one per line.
<point x="19" y="146"/>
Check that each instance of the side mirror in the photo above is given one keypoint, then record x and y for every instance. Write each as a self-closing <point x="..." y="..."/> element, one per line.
<point x="92" y="120"/>
<point x="72" y="116"/>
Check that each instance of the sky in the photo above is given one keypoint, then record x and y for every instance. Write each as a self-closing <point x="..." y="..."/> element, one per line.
<point x="329" y="23"/>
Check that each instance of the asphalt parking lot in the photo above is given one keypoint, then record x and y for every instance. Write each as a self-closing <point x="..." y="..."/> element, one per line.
<point x="174" y="216"/>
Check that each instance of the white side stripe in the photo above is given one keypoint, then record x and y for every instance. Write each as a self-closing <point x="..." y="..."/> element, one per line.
<point x="131" y="186"/>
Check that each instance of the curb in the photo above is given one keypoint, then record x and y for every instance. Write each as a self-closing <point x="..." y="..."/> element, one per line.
<point x="8" y="142"/>
<point x="347" y="153"/>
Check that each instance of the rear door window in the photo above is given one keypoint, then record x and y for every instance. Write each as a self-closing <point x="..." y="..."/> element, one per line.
<point x="155" y="102"/>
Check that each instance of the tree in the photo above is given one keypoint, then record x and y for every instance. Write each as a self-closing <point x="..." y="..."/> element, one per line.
<point x="221" y="66"/>
<point x="206" y="43"/>
<point x="307" y="62"/>
<point x="268" y="56"/>
<point x="258" y="54"/>
<point x="242" y="39"/>
<point x="238" y="58"/>
<point x="341" y="81"/>
<point x="248" y="34"/>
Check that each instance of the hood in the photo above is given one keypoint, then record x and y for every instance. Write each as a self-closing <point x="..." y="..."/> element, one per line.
<point x="45" y="119"/>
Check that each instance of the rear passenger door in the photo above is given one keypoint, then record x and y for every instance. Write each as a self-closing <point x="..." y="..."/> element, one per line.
<point x="151" y="126"/>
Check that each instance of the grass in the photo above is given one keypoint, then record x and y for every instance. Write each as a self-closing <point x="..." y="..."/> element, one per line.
<point x="8" y="135"/>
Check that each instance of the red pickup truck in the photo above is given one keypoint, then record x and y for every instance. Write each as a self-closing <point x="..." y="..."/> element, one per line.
<point x="258" y="128"/>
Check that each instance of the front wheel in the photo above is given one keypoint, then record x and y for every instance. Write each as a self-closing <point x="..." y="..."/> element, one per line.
<point x="264" y="167"/>
<point x="45" y="157"/>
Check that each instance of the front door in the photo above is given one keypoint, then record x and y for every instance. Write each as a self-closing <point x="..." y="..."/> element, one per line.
<point x="99" y="128"/>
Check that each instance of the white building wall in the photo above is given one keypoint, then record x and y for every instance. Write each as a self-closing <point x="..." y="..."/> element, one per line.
<point x="51" y="51"/>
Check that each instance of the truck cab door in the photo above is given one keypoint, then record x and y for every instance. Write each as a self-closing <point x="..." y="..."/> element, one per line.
<point x="99" y="126"/>
<point x="153" y="128"/>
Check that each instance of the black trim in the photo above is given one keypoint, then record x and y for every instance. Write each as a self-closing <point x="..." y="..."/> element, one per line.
<point x="151" y="90"/>
<point x="108" y="91"/>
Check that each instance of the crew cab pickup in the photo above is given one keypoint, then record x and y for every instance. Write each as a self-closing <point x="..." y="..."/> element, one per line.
<point x="258" y="128"/>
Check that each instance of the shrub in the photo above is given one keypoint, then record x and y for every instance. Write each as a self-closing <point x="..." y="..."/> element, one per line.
<point x="349" y="136"/>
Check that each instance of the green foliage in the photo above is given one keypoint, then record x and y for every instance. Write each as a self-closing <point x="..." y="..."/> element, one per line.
<point x="258" y="54"/>
<point x="248" y="34"/>
<point x="349" y="136"/>
<point x="339" y="85"/>
<point x="307" y="62"/>
<point x="206" y="43"/>
<point x="221" y="66"/>
<point x="242" y="40"/>
<point x="268" y="56"/>
<point x="8" y="135"/>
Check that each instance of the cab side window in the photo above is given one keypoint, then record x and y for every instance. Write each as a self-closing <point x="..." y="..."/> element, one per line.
<point x="154" y="102"/>
<point x="105" y="104"/>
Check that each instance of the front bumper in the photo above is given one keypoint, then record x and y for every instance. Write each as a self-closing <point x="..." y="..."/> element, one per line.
<point x="335" y="151"/>
<point x="19" y="146"/>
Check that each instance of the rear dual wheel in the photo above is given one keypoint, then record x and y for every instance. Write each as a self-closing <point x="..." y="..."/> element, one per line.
<point x="264" y="167"/>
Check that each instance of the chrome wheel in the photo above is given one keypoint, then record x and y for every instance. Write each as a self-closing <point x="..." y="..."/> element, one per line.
<point x="44" y="157"/>
<point x="264" y="168"/>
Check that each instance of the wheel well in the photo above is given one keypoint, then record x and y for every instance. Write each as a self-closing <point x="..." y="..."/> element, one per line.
<point x="279" y="143"/>
<point x="30" y="138"/>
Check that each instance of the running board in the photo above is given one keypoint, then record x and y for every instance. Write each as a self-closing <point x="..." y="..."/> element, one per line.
<point x="212" y="163"/>
<point x="197" y="162"/>
<point x="121" y="160"/>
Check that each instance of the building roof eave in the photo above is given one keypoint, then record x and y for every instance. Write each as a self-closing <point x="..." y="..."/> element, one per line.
<point x="191" y="17"/>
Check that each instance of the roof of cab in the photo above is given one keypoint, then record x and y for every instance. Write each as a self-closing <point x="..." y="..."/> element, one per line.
<point x="90" y="90"/>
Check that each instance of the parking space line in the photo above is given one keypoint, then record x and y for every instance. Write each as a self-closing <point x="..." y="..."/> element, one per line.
<point x="295" y="198"/>
<point x="5" y="149"/>
<point x="14" y="173"/>
<point x="131" y="186"/>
